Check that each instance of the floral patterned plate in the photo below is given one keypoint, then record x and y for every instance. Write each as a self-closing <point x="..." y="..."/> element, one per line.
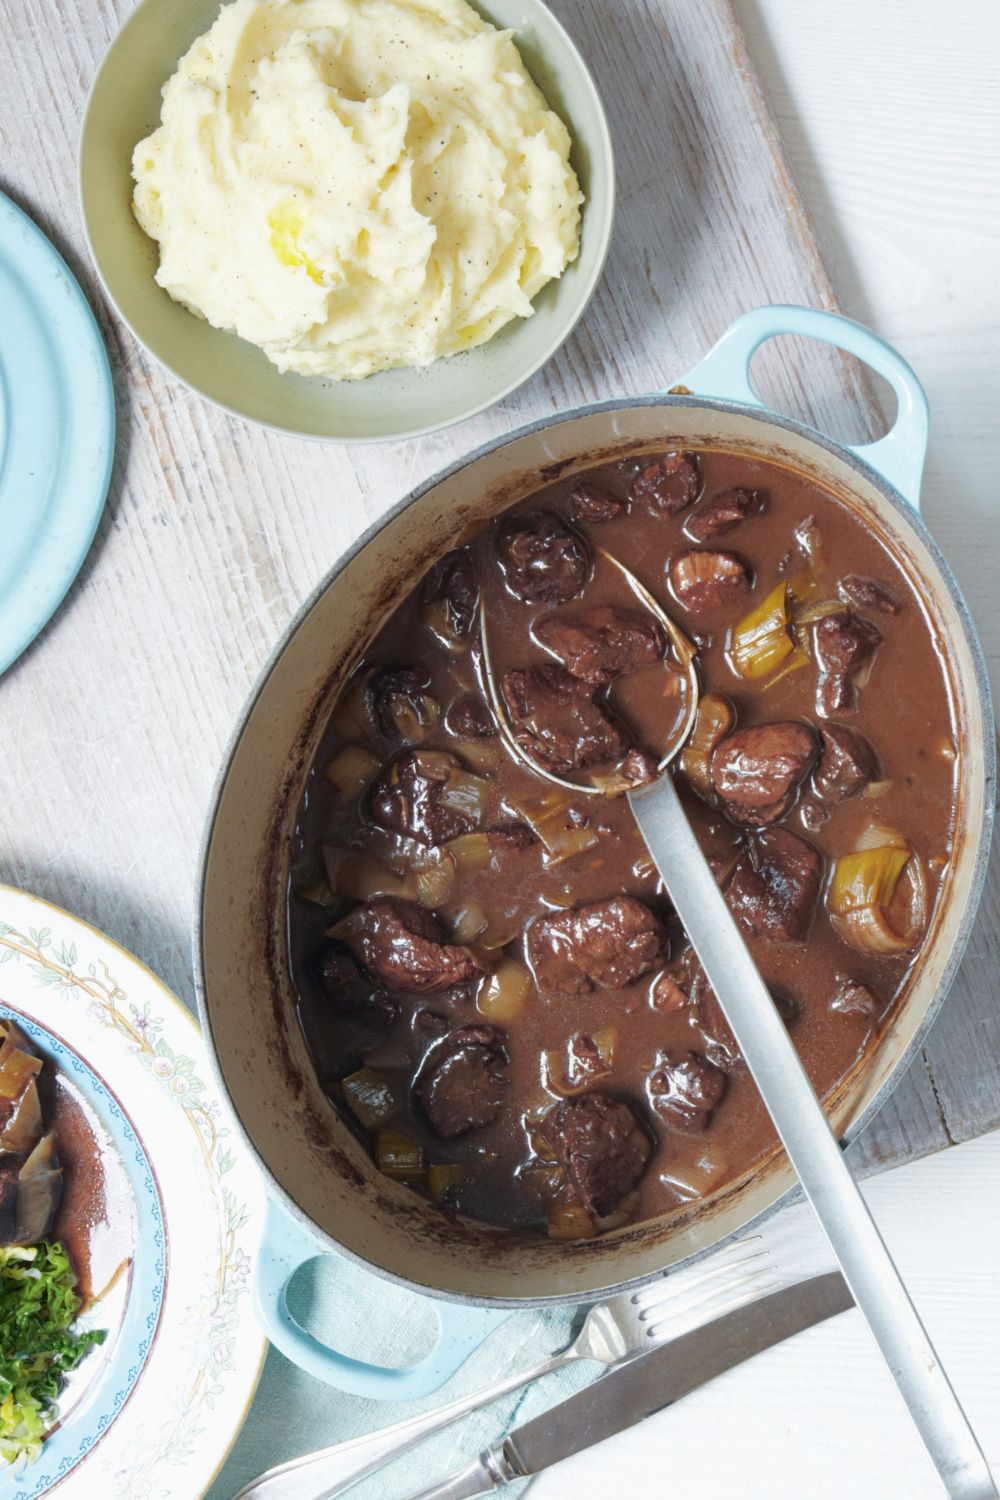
<point x="153" y="1413"/>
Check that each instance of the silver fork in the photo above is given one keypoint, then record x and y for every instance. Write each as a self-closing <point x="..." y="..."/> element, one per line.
<point x="622" y="1326"/>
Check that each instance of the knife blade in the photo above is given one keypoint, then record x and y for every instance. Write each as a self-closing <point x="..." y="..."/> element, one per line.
<point x="646" y="1384"/>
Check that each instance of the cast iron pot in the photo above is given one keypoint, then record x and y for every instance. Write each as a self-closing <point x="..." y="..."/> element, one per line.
<point x="326" y="1194"/>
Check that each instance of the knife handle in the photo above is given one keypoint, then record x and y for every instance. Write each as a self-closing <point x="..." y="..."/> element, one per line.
<point x="483" y="1476"/>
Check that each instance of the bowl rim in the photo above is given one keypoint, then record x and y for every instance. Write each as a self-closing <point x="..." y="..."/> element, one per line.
<point x="978" y="873"/>
<point x="602" y="229"/>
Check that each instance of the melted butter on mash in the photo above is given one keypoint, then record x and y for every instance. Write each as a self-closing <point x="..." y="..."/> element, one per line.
<point x="356" y="184"/>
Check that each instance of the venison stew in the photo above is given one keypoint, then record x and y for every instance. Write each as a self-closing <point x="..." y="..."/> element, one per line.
<point x="496" y="996"/>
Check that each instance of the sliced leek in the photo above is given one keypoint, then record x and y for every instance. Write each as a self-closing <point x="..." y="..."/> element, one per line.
<point x="761" y="641"/>
<point x="863" y="897"/>
<point x="713" y="721"/>
<point x="371" y="1097"/>
<point x="504" y="993"/>
<point x="397" y="1156"/>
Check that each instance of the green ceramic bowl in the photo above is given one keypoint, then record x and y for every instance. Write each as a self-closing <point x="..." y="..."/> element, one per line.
<point x="124" y="106"/>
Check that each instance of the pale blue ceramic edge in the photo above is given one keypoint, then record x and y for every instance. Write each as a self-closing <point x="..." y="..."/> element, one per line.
<point x="57" y="430"/>
<point x="724" y="372"/>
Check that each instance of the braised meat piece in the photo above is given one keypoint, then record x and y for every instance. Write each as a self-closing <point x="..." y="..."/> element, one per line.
<point x="584" y="1061"/>
<point x="670" y="992"/>
<point x="452" y="582"/>
<point x="847" y="763"/>
<point x="602" y="1146"/>
<point x="404" y="946"/>
<point x="668" y="484"/>
<point x="704" y="581"/>
<point x="756" y="772"/>
<point x="403" y="707"/>
<point x="639" y="767"/>
<point x="724" y="512"/>
<point x="598" y="644"/>
<point x="468" y="718"/>
<point x="868" y="593"/>
<point x="685" y="1088"/>
<point x="558" y="721"/>
<point x="715" y="1039"/>
<point x="603" y="946"/>
<point x="844" y="645"/>
<point x="411" y="798"/>
<point x="462" y="1083"/>
<point x="774" y="885"/>
<point x="856" y="999"/>
<point x="593" y="504"/>
<point x="349" y="991"/>
<point x="543" y="560"/>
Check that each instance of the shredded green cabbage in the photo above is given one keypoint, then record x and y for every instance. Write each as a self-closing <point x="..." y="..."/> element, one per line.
<point x="38" y="1305"/>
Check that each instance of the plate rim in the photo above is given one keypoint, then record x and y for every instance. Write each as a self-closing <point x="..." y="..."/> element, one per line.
<point x="33" y="616"/>
<point x="177" y="1006"/>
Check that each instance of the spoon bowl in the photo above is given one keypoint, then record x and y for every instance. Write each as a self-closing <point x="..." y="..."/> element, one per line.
<point x="682" y="652"/>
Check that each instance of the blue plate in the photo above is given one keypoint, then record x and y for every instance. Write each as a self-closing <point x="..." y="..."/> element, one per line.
<point x="120" y="1361"/>
<point x="57" y="430"/>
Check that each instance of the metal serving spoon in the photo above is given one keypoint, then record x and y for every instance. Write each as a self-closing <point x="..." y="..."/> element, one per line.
<point x="784" y="1085"/>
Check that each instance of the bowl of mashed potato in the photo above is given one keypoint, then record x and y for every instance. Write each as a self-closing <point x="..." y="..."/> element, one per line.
<point x="357" y="220"/>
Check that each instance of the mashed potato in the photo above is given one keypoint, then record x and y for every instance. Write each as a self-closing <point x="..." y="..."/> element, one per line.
<point x="356" y="184"/>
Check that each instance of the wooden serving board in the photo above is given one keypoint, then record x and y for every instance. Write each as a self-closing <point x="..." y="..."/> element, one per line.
<point x="116" y="720"/>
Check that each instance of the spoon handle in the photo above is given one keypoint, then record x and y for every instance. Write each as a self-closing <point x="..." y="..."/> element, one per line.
<point x="812" y="1148"/>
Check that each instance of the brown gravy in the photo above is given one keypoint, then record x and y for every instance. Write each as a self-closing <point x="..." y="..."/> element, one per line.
<point x="898" y="701"/>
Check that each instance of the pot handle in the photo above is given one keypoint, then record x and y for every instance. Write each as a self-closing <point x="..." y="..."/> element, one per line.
<point x="285" y="1246"/>
<point x="725" y="372"/>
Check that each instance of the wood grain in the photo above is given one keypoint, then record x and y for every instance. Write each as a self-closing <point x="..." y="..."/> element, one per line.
<point x="115" y="722"/>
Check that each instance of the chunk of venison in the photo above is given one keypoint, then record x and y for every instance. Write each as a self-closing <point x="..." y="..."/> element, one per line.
<point x="602" y="1146"/>
<point x="706" y="581"/>
<point x="724" y="512"/>
<point x="756" y="772"/>
<point x="605" y="945"/>
<point x="558" y="721"/>
<point x="468" y="718"/>
<point x="844" y="644"/>
<point x="410" y="798"/>
<point x="593" y="504"/>
<point x="868" y="593"/>
<point x="462" y="1084"/>
<point x="685" y="1088"/>
<point x="713" y="1033"/>
<point x="774" y="886"/>
<point x="639" y="768"/>
<point x="543" y="560"/>
<point x="668" y="484"/>
<point x="856" y="999"/>
<point x="347" y="989"/>
<point x="453" y="581"/>
<point x="602" y="642"/>
<point x="847" y="763"/>
<point x="404" y="708"/>
<point x="404" y="946"/>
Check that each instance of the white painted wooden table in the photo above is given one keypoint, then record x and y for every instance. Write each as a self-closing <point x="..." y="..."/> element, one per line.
<point x="112" y="725"/>
<point x="818" y="1418"/>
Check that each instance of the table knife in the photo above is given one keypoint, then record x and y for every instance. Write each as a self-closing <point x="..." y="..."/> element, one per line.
<point x="644" y="1385"/>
